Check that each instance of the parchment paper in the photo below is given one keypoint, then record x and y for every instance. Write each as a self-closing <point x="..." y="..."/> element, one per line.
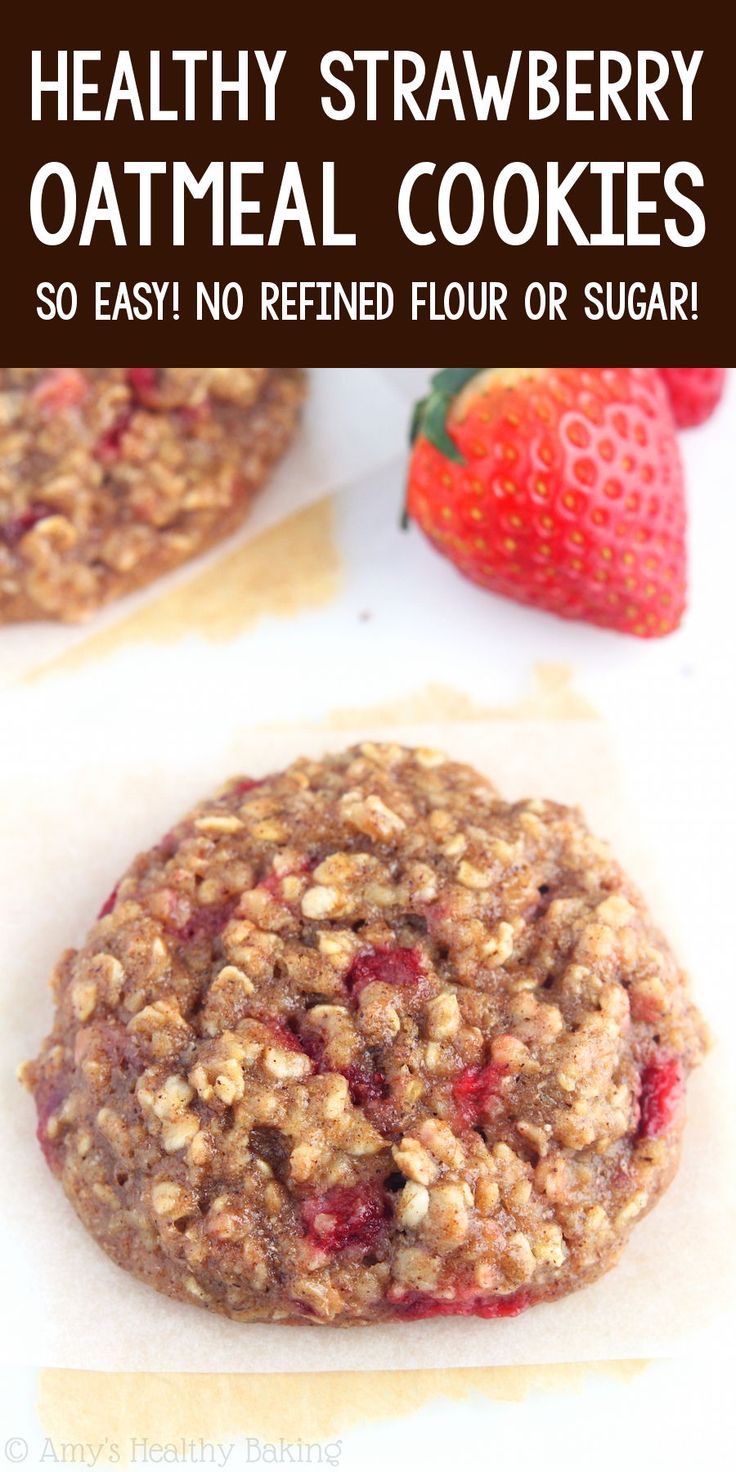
<point x="67" y="831"/>
<point x="337" y="443"/>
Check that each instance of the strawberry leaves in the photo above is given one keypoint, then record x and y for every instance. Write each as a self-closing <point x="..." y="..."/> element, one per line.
<point x="430" y="413"/>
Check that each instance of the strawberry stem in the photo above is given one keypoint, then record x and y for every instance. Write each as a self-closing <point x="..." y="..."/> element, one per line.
<point x="430" y="416"/>
<point x="430" y="413"/>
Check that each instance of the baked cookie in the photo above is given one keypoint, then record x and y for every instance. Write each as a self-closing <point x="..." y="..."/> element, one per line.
<point x="111" y="476"/>
<point x="363" y="1042"/>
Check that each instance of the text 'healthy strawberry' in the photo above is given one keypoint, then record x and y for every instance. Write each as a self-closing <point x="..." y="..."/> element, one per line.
<point x="557" y="487"/>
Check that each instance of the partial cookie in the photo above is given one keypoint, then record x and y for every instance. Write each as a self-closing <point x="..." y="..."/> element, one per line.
<point x="110" y="477"/>
<point x="363" y="1042"/>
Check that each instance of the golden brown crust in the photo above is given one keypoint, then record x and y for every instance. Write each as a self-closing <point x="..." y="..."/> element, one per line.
<point x="362" y="1041"/>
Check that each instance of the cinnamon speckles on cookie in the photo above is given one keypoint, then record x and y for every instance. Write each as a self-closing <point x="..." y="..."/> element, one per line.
<point x="361" y="1041"/>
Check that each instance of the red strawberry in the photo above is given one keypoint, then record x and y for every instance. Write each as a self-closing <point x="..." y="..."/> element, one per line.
<point x="13" y="530"/>
<point x="366" y="1085"/>
<point x="474" y="1088"/>
<point x="206" y="921"/>
<point x="424" y="1306"/>
<point x="397" y="966"/>
<point x="559" y="487"/>
<point x="694" y="393"/>
<point x="109" y="444"/>
<point x="143" y="382"/>
<point x="281" y="1033"/>
<point x="347" y="1216"/>
<point x="662" y="1087"/>
<point x="109" y="904"/>
<point x="274" y="883"/>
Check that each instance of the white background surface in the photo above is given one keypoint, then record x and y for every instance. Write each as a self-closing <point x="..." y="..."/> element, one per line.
<point x="669" y="708"/>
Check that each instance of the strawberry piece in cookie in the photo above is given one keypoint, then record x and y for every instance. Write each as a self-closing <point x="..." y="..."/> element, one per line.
<point x="401" y="966"/>
<point x="109" y="904"/>
<point x="352" y="1216"/>
<point x="15" y="528"/>
<point x="662" y="1088"/>
<point x="142" y="381"/>
<point x="423" y="1306"/>
<point x="474" y="1089"/>
<point x="109" y="446"/>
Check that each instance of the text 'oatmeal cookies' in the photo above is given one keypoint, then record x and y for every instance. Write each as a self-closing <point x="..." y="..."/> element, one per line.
<point x="363" y="1042"/>
<point x="110" y="477"/>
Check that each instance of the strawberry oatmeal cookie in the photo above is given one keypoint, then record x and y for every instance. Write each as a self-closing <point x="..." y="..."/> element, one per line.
<point x="363" y="1042"/>
<point x="109" y="477"/>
